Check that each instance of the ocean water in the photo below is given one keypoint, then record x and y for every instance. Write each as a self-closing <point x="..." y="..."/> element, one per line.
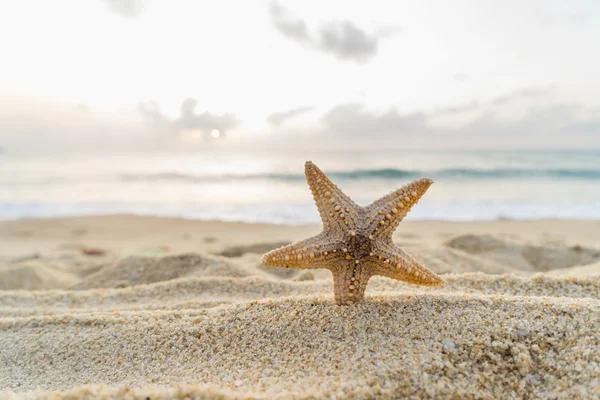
<point x="270" y="186"/>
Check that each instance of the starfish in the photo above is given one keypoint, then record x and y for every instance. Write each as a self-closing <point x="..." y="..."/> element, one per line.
<point x="356" y="242"/>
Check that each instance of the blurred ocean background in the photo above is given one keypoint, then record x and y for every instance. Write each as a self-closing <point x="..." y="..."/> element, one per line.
<point x="270" y="187"/>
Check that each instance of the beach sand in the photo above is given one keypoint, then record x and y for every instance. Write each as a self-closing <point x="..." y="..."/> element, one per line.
<point x="140" y="307"/>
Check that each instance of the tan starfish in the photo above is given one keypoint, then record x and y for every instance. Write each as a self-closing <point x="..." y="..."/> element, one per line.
<point x="356" y="242"/>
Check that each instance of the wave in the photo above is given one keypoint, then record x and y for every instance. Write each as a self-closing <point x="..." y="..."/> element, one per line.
<point x="305" y="213"/>
<point x="384" y="174"/>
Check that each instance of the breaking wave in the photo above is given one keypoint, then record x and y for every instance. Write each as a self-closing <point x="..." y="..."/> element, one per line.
<point x="384" y="173"/>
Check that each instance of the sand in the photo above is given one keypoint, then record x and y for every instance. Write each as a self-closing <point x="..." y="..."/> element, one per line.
<point x="137" y="307"/>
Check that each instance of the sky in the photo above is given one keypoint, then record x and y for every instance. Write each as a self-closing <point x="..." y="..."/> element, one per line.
<point x="180" y="75"/>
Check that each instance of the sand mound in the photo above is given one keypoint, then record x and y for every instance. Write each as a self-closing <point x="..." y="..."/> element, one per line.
<point x="579" y="271"/>
<point x="447" y="260"/>
<point x="400" y="345"/>
<point x="524" y="257"/>
<point x="477" y="244"/>
<point x="548" y="258"/>
<point x="35" y="274"/>
<point x="258" y="248"/>
<point x="136" y="270"/>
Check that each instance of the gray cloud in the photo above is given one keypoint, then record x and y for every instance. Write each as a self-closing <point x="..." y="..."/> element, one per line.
<point x="151" y="112"/>
<point x="84" y="108"/>
<point x="292" y="28"/>
<point x="279" y="118"/>
<point x="343" y="39"/>
<point x="30" y="124"/>
<point x="354" y="126"/>
<point x="127" y="8"/>
<point x="527" y="93"/>
<point x="552" y="125"/>
<point x="589" y="126"/>
<point x="466" y="107"/>
<point x="545" y="121"/>
<point x="347" y="41"/>
<point x="188" y="118"/>
<point x="33" y="125"/>
<point x="592" y="126"/>
<point x="483" y="124"/>
<point x="355" y="120"/>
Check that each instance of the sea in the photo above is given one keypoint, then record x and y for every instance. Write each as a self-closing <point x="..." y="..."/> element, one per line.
<point x="269" y="186"/>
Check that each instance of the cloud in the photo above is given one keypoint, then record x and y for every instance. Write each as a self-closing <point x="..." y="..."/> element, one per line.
<point x="292" y="28"/>
<point x="188" y="119"/>
<point x="355" y="120"/>
<point x="348" y="42"/>
<point x="343" y="39"/>
<point x="562" y="125"/>
<point x="553" y="125"/>
<point x="527" y="93"/>
<point x="461" y="108"/>
<point x="592" y="126"/>
<point x="588" y="125"/>
<point x="84" y="108"/>
<point x="127" y="8"/>
<point x="545" y="121"/>
<point x="37" y="125"/>
<point x="487" y="125"/>
<point x="151" y="112"/>
<point x="31" y="124"/>
<point x="279" y="118"/>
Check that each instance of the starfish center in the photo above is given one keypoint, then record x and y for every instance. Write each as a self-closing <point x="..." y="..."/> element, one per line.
<point x="359" y="246"/>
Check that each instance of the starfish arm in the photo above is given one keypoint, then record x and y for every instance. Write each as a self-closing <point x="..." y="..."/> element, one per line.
<point x="387" y="212"/>
<point x="395" y="263"/>
<point x="337" y="210"/>
<point x="349" y="281"/>
<point x="311" y="253"/>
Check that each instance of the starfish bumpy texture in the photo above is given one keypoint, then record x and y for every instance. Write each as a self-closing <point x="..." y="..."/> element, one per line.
<point x="356" y="242"/>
